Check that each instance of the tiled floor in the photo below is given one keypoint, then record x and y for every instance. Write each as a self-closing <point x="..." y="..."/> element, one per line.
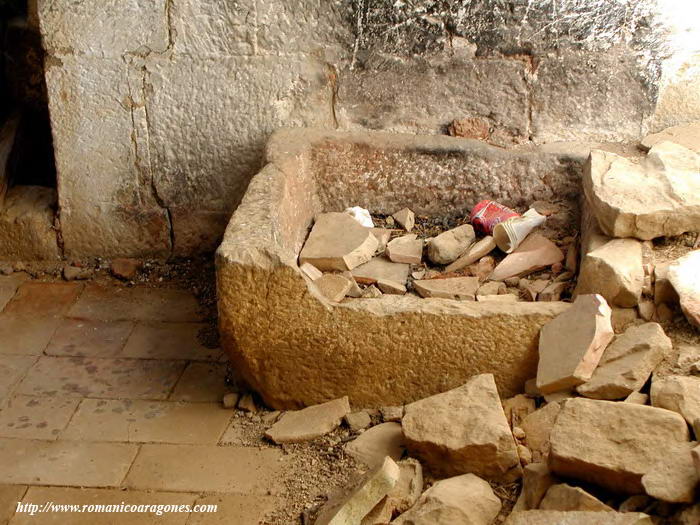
<point x="106" y="396"/>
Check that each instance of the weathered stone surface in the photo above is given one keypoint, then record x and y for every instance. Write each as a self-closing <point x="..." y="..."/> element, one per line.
<point x="534" y="253"/>
<point x="461" y="288"/>
<point x="536" y="482"/>
<point x="406" y="219"/>
<point x="517" y="408"/>
<point x="367" y="492"/>
<point x="586" y="442"/>
<point x="530" y="289"/>
<point x="566" y="498"/>
<point x="311" y="271"/>
<point x="402" y="497"/>
<point x="637" y="398"/>
<point x="376" y="443"/>
<point x="475" y="252"/>
<point x="572" y="344"/>
<point x="614" y="270"/>
<point x="673" y="477"/>
<point x="686" y="135"/>
<point x="358" y="420"/>
<point x="696" y="458"/>
<point x="657" y="196"/>
<point x="391" y="287"/>
<point x="309" y="423"/>
<point x="492" y="288"/>
<point x="450" y="245"/>
<point x="383" y="235"/>
<point x="538" y="426"/>
<point x="664" y="292"/>
<point x="355" y="290"/>
<point x="407" y="249"/>
<point x="338" y="242"/>
<point x="550" y="517"/>
<point x="684" y="275"/>
<point x="680" y="394"/>
<point x="371" y="292"/>
<point x="553" y="291"/>
<point x="333" y="286"/>
<point x="463" y="430"/>
<point x="627" y="362"/>
<point x="26" y="224"/>
<point x="380" y="268"/>
<point x="461" y="500"/>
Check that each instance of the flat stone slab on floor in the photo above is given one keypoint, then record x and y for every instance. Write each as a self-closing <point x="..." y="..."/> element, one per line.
<point x="137" y="421"/>
<point x="43" y="299"/>
<point x="207" y="469"/>
<point x="64" y="462"/>
<point x="26" y="334"/>
<point x="104" y="378"/>
<point x="89" y="338"/>
<point x="168" y="341"/>
<point x="201" y="383"/>
<point x="9" y="496"/>
<point x="12" y="369"/>
<point x="32" y="417"/>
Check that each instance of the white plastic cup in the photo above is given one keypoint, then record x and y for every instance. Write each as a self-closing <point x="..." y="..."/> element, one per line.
<point x="510" y="233"/>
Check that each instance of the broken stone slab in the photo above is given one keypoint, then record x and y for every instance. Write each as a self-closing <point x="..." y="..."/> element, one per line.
<point x="338" y="242"/>
<point x="460" y="500"/>
<point x="407" y="249"/>
<point x="538" y="426"/>
<point x="503" y="298"/>
<point x="483" y="268"/>
<point x="567" y="498"/>
<point x="355" y="290"/>
<point x="371" y="292"/>
<point x="530" y="289"/>
<point x="637" y="398"/>
<point x="247" y="404"/>
<point x="402" y="497"/>
<point x="333" y="286"/>
<point x="536" y="482"/>
<point x="613" y="270"/>
<point x="383" y="235"/>
<point x="517" y="408"/>
<point x="686" y="135"/>
<point x="628" y="362"/>
<point x="572" y="343"/>
<point x="654" y="197"/>
<point x="363" y="497"/>
<point x="391" y="413"/>
<point x="684" y="275"/>
<point x="673" y="478"/>
<point x="612" y="444"/>
<point x="125" y="268"/>
<point x="296" y="426"/>
<point x="475" y="252"/>
<point x="311" y="271"/>
<point x="681" y="394"/>
<point x="376" y="443"/>
<point x="622" y="318"/>
<point x="554" y="517"/>
<point x="553" y="291"/>
<point x="230" y="400"/>
<point x="447" y="247"/>
<point x="390" y="287"/>
<point x="646" y="309"/>
<point x="358" y="420"/>
<point x="534" y="253"/>
<point x="492" y="288"/>
<point x="381" y="268"/>
<point x="406" y="219"/>
<point x="463" y="430"/>
<point x="461" y="288"/>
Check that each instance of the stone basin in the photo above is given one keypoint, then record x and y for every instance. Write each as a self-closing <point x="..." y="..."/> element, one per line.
<point x="295" y="348"/>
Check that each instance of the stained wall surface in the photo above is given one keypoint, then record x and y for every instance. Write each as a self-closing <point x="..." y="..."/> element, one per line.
<point x="161" y="109"/>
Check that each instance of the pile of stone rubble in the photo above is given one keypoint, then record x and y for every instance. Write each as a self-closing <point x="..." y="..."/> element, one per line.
<point x="346" y="259"/>
<point x="592" y="440"/>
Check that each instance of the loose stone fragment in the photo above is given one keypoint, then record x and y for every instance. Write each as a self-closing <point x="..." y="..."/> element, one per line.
<point x="405" y="218"/>
<point x="538" y="426"/>
<point x="627" y="362"/>
<point x="637" y="398"/>
<point x="381" y="268"/>
<point x="684" y="275"/>
<point x="338" y="242"/>
<point x="309" y="423"/>
<point x="686" y="135"/>
<point x="391" y="414"/>
<point x="565" y="497"/>
<point x="572" y="343"/>
<point x="333" y="286"/>
<point x="407" y="249"/>
<point x="553" y="291"/>
<point x="484" y="268"/>
<point x="382" y="235"/>
<point x="391" y="287"/>
<point x="524" y="454"/>
<point x="73" y="273"/>
<point x="554" y="517"/>
<point x="664" y="292"/>
<point x="376" y="443"/>
<point x="658" y="196"/>
<point x="355" y="290"/>
<point x="124" y="268"/>
<point x="612" y="444"/>
<point x="673" y="477"/>
<point x="491" y="288"/>
<point x="462" y="288"/>
<point x="530" y="289"/>
<point x="636" y="503"/>
<point x="475" y="252"/>
<point x="517" y="408"/>
<point x="461" y="500"/>
<point x="450" y="245"/>
<point x="247" y="404"/>
<point x="463" y="430"/>
<point x="358" y="420"/>
<point x="311" y="271"/>
<point x="402" y="497"/>
<point x="534" y="253"/>
<point x="503" y="298"/>
<point x="614" y="270"/>
<point x="623" y="318"/>
<point x="371" y="292"/>
<point x="230" y="400"/>
<point x="646" y="308"/>
<point x="355" y="505"/>
<point x="536" y="482"/>
<point x="680" y="394"/>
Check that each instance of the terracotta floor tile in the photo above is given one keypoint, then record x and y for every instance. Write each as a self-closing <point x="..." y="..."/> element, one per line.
<point x="148" y="421"/>
<point x="89" y="338"/>
<point x="102" y="378"/>
<point x="138" y="303"/>
<point x="26" y="334"/>
<point x="12" y="369"/>
<point x="64" y="462"/>
<point x="36" y="417"/>
<point x="207" y="468"/>
<point x="202" y="382"/>
<point x="43" y="299"/>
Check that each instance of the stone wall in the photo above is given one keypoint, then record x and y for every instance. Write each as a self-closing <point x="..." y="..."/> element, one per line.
<point x="161" y="108"/>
